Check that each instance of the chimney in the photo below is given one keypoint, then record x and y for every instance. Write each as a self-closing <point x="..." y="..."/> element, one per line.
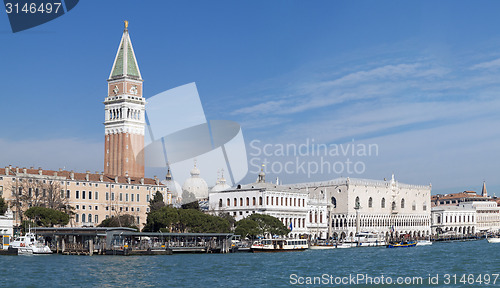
<point x="40" y="171"/>
<point x="116" y="179"/>
<point x="10" y="167"/>
<point x="142" y="181"/>
<point x="7" y="170"/>
<point x="101" y="177"/>
<point x="25" y="170"/>
<point x="72" y="175"/>
<point x="60" y="169"/>
<point x="55" y="174"/>
<point x="157" y="181"/>
<point x="87" y="175"/>
<point x="17" y="169"/>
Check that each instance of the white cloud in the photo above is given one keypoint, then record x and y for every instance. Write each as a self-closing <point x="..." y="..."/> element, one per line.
<point x="487" y="65"/>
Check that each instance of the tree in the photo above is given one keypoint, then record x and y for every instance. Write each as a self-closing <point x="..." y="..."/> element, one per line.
<point x="171" y="219"/>
<point x="247" y="228"/>
<point x="125" y="220"/>
<point x="262" y="225"/>
<point x="35" y="192"/>
<point x="3" y="206"/>
<point x="161" y="220"/>
<point x="47" y="217"/>
<point x="157" y="202"/>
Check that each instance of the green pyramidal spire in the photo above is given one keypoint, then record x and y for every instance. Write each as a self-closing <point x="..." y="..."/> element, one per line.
<point x="125" y="64"/>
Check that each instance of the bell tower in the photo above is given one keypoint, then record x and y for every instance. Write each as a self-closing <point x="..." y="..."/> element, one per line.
<point x="124" y="122"/>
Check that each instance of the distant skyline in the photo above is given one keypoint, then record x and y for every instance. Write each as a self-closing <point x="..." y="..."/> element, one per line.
<point x="419" y="79"/>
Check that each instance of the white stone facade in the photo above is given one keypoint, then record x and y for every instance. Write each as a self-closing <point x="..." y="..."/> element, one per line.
<point x="387" y="207"/>
<point x="454" y="220"/>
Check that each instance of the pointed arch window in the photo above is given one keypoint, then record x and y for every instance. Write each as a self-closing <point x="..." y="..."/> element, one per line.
<point x="370" y="202"/>
<point x="382" y="204"/>
<point x="403" y="203"/>
<point x="356" y="203"/>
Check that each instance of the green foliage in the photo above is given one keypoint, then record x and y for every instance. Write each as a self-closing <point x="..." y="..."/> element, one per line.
<point x="47" y="217"/>
<point x="157" y="202"/>
<point x="170" y="219"/>
<point x="125" y="220"/>
<point x="247" y="228"/>
<point x="260" y="224"/>
<point x="3" y="206"/>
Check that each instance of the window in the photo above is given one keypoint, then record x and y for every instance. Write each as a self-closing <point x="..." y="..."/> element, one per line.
<point x="121" y="196"/>
<point x="138" y="209"/>
<point x="370" y="202"/>
<point x="112" y="196"/>
<point x="126" y="197"/>
<point x="235" y="202"/>
<point x="402" y="203"/>
<point x="414" y="206"/>
<point x="107" y="208"/>
<point x="96" y="195"/>
<point x="76" y="217"/>
<point x="90" y="218"/>
<point x="83" y="207"/>
<point x="83" y="217"/>
<point x="90" y="195"/>
<point x="77" y="206"/>
<point x="96" y="219"/>
<point x="96" y="207"/>
<point x="220" y="203"/>
<point x="253" y="201"/>
<point x="107" y="195"/>
<point x="424" y="207"/>
<point x="248" y="201"/>
<point x="138" y="220"/>
<point x="382" y="204"/>
<point x="132" y="197"/>
<point x="228" y="202"/>
<point x="393" y="205"/>
<point x="334" y="202"/>
<point x="83" y="194"/>
<point x="147" y="198"/>
<point x="356" y="203"/>
<point x="77" y="194"/>
<point x="121" y="209"/>
<point x="137" y="197"/>
<point x="126" y="209"/>
<point x="260" y="200"/>
<point x="90" y="207"/>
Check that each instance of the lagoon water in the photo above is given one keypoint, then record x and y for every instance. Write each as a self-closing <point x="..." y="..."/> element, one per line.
<point x="264" y="269"/>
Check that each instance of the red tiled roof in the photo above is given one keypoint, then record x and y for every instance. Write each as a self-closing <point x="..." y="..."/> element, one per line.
<point x="93" y="177"/>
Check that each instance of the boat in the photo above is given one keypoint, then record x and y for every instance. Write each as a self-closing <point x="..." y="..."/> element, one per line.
<point x="402" y="244"/>
<point x="323" y="246"/>
<point x="494" y="239"/>
<point x="424" y="242"/>
<point x="29" y="245"/>
<point x="279" y="245"/>
<point x="363" y="239"/>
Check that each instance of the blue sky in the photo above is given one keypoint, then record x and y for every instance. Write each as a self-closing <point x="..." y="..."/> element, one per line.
<point x="419" y="79"/>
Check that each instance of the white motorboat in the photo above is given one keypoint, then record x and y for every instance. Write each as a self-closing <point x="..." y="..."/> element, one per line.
<point x="322" y="246"/>
<point x="424" y="242"/>
<point x="279" y="245"/>
<point x="363" y="239"/>
<point x="29" y="245"/>
<point x="493" y="240"/>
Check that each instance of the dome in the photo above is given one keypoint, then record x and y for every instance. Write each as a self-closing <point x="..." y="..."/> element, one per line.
<point x="173" y="186"/>
<point x="196" y="185"/>
<point x="220" y="186"/>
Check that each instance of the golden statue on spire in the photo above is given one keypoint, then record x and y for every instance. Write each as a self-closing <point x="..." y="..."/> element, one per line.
<point x="126" y="24"/>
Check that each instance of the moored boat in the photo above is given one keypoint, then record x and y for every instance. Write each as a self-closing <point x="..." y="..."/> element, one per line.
<point x="424" y="242"/>
<point x="29" y="245"/>
<point x="494" y="240"/>
<point x="279" y="245"/>
<point x="402" y="244"/>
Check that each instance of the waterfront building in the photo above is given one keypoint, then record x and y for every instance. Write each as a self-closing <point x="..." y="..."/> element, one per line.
<point x="6" y="226"/>
<point x="453" y="219"/>
<point x="287" y="204"/>
<point x="361" y="205"/>
<point x="487" y="215"/>
<point x="93" y="197"/>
